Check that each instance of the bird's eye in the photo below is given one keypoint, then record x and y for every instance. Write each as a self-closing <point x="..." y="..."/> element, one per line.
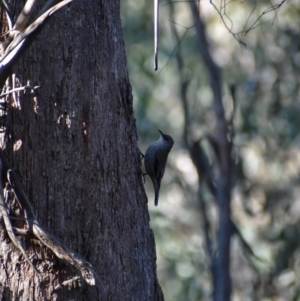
<point x="168" y="138"/>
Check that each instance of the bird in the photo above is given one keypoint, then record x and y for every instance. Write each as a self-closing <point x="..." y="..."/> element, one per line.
<point x="155" y="161"/>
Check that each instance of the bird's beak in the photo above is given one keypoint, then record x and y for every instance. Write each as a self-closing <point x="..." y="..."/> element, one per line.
<point x="161" y="133"/>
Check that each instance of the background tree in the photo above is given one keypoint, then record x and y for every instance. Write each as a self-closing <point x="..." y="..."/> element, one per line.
<point x="74" y="147"/>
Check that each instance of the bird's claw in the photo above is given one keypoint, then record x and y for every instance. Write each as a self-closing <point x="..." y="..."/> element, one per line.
<point x="142" y="156"/>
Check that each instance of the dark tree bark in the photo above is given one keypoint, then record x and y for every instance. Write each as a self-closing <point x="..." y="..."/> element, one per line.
<point x="79" y="163"/>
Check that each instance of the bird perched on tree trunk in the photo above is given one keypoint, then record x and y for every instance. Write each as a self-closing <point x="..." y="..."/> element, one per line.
<point x="155" y="161"/>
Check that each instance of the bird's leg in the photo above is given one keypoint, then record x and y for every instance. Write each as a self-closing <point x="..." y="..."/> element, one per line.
<point x="144" y="179"/>
<point x="142" y="156"/>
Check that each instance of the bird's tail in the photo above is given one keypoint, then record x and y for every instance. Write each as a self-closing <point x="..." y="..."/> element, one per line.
<point x="156" y="193"/>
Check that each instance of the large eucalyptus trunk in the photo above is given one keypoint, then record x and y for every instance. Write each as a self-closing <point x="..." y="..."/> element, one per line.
<point x="74" y="148"/>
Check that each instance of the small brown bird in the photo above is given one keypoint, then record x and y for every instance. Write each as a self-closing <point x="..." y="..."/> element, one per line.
<point x="155" y="161"/>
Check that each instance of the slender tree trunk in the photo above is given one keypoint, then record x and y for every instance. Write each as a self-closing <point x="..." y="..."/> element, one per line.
<point x="79" y="163"/>
<point x="223" y="145"/>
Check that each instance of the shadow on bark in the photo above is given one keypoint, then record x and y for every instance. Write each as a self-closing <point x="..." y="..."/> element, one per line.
<point x="15" y="208"/>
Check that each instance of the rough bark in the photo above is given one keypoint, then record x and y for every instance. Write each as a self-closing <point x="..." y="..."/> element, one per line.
<point x="79" y="163"/>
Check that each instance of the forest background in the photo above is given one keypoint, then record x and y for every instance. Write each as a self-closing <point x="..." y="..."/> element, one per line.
<point x="260" y="56"/>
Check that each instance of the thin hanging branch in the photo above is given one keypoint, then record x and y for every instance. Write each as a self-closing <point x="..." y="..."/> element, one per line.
<point x="156" y="23"/>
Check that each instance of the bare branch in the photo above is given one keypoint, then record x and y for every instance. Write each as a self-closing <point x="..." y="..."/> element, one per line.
<point x="22" y="40"/>
<point x="65" y="254"/>
<point x="237" y="35"/>
<point x="62" y="252"/>
<point x="8" y="15"/>
<point x="179" y="39"/>
<point x="24" y="16"/>
<point x="24" y="88"/>
<point x="8" y="226"/>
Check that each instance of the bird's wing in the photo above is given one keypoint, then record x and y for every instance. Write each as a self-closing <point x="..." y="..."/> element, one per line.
<point x="159" y="172"/>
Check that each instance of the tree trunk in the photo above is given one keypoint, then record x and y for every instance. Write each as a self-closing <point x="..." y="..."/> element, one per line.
<point x="79" y="163"/>
<point x="223" y="148"/>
